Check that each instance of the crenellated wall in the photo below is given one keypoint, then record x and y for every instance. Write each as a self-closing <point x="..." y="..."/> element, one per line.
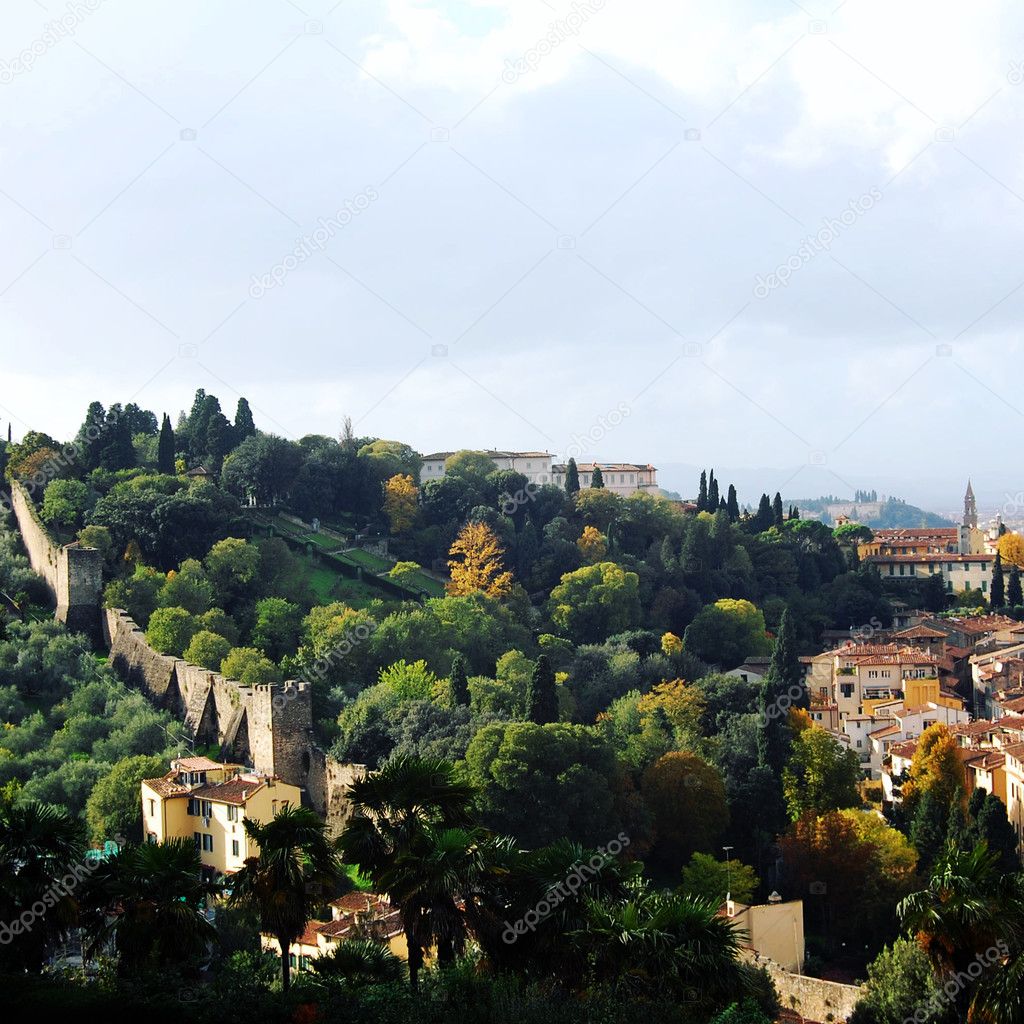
<point x="73" y="574"/>
<point x="268" y="726"/>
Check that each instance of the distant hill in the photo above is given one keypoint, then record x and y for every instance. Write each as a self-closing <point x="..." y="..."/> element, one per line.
<point x="888" y="514"/>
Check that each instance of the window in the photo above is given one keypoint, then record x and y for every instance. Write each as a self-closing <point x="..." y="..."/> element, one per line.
<point x="860" y="743"/>
<point x="232" y="813"/>
<point x="207" y="842"/>
<point x="152" y="808"/>
<point x="846" y="689"/>
<point x="193" y="806"/>
<point x="291" y="960"/>
<point x="198" y="837"/>
<point x="234" y="847"/>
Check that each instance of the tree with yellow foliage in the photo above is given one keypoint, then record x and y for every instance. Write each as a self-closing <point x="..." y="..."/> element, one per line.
<point x="671" y="644"/>
<point x="476" y="563"/>
<point x="1011" y="547"/>
<point x="683" y="705"/>
<point x="935" y="768"/>
<point x="593" y="545"/>
<point x="400" y="502"/>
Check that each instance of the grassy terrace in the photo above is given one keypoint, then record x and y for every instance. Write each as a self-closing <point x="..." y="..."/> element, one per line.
<point x="329" y="585"/>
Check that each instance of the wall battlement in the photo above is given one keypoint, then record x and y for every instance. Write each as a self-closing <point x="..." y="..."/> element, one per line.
<point x="73" y="574"/>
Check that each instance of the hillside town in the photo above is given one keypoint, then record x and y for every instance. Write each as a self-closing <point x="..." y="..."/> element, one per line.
<point x="709" y="707"/>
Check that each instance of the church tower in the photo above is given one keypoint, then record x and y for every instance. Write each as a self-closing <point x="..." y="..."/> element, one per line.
<point x="970" y="508"/>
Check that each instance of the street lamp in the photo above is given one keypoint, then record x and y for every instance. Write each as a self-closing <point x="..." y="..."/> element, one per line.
<point x="728" y="873"/>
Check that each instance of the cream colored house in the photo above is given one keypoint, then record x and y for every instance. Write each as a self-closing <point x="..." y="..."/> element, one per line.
<point x="535" y="466"/>
<point x="622" y="478"/>
<point x="864" y="676"/>
<point x="208" y="802"/>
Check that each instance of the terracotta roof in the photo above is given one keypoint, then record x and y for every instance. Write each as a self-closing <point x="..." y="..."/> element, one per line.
<point x="985" y="760"/>
<point x="1015" y="750"/>
<point x="167" y="785"/>
<point x="977" y="624"/>
<point x="916" y="533"/>
<point x="310" y="932"/>
<point x="930" y="556"/>
<point x="196" y="764"/>
<point x="234" y="791"/>
<point x="888" y="730"/>
<point x="904" y="749"/>
<point x="919" y="633"/>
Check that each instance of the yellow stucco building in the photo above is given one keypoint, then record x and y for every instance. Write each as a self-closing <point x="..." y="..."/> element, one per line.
<point x="208" y="802"/>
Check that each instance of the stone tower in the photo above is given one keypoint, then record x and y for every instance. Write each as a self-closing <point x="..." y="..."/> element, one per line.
<point x="970" y="508"/>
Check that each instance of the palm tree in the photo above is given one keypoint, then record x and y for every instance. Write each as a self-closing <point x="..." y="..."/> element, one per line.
<point x="359" y="962"/>
<point x="659" y="940"/>
<point x="411" y="833"/>
<point x="961" y="913"/>
<point x="556" y="877"/>
<point x="39" y="845"/>
<point x="150" y="900"/>
<point x="295" y="856"/>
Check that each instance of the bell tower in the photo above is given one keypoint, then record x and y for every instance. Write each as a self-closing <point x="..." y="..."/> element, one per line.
<point x="970" y="508"/>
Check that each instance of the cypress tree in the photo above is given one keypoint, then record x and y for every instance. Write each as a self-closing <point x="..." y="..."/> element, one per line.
<point x="928" y="829"/>
<point x="90" y="441"/>
<point x="777" y="518"/>
<point x="597" y="478"/>
<point x="572" y="478"/>
<point x="777" y="695"/>
<point x="712" y="493"/>
<point x="998" y="596"/>
<point x="118" y="451"/>
<point x="732" y="506"/>
<point x="244" y="424"/>
<point x="994" y="827"/>
<point x="541" y="697"/>
<point x="218" y="441"/>
<point x="460" y="684"/>
<point x="165" y="447"/>
<point x="702" y="494"/>
<point x="763" y="517"/>
<point x="1014" y="597"/>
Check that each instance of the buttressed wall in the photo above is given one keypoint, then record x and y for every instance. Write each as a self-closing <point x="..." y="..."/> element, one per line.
<point x="268" y="726"/>
<point x="73" y="574"/>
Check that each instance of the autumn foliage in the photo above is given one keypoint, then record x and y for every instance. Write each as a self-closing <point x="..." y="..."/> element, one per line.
<point x="593" y="545"/>
<point x="476" y="563"/>
<point x="400" y="497"/>
<point x="1011" y="547"/>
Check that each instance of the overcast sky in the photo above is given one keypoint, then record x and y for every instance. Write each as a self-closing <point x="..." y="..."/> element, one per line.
<point x="519" y="220"/>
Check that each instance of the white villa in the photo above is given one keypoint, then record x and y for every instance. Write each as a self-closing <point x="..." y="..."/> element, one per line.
<point x="623" y="478"/>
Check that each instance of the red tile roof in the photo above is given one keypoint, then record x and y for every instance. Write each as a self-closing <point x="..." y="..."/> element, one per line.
<point x="234" y="791"/>
<point x="167" y="785"/>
